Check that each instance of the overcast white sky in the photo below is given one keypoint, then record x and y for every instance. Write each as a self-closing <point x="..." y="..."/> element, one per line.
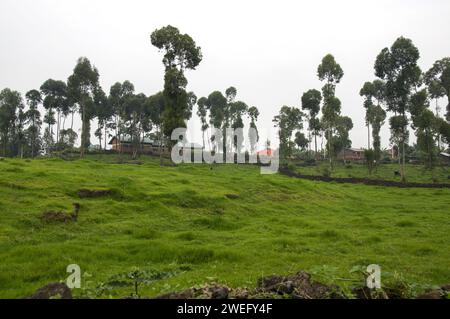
<point x="268" y="50"/>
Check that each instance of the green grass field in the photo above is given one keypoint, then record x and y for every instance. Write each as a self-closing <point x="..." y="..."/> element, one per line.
<point x="182" y="222"/>
<point x="414" y="173"/>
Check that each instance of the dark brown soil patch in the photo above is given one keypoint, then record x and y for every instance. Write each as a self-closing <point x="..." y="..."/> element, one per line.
<point x="52" y="291"/>
<point x="61" y="217"/>
<point x="298" y="286"/>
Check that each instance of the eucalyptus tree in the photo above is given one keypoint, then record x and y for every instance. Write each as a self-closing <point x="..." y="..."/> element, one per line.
<point x="330" y="72"/>
<point x="426" y="125"/>
<point x="103" y="112"/>
<point x="253" y="114"/>
<point x="311" y="102"/>
<point x="217" y="105"/>
<point x="134" y="108"/>
<point x="34" y="99"/>
<point x="397" y="66"/>
<point x="19" y="141"/>
<point x="180" y="54"/>
<point x="10" y="103"/>
<point x="288" y="120"/>
<point x="191" y="102"/>
<point x="230" y="95"/>
<point x="82" y="85"/>
<point x="438" y="81"/>
<point x="55" y="102"/>
<point x="377" y="116"/>
<point x="341" y="139"/>
<point x="154" y="107"/>
<point x="202" y="114"/>
<point x="118" y="94"/>
<point x="237" y="110"/>
<point x="367" y="91"/>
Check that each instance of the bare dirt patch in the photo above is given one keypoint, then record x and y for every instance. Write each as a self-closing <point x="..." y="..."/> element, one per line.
<point x="54" y="290"/>
<point x="61" y="217"/>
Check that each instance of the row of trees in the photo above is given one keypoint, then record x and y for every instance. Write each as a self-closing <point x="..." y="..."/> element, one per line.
<point x="122" y="113"/>
<point x="332" y="124"/>
<point x="402" y="90"/>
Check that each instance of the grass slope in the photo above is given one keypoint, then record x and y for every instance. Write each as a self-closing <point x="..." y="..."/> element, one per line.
<point x="414" y="173"/>
<point x="179" y="220"/>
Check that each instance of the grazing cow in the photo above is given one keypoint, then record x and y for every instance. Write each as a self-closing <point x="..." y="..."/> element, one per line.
<point x="397" y="173"/>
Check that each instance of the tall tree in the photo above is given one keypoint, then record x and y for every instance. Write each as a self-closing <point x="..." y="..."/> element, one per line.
<point x="311" y="102"/>
<point x="341" y="139"/>
<point x="237" y="110"/>
<point x="19" y="134"/>
<point x="10" y="102"/>
<point x="103" y="112"/>
<point x="438" y="79"/>
<point x="253" y="113"/>
<point x="368" y="91"/>
<point x="287" y="120"/>
<point x="330" y="72"/>
<point x="377" y="116"/>
<point x="155" y="106"/>
<point x="134" y="108"/>
<point x="216" y="104"/>
<point x="82" y="85"/>
<point x="55" y="102"/>
<point x="425" y="124"/>
<point x="180" y="53"/>
<point x="202" y="114"/>
<point x="397" y="65"/>
<point x="118" y="94"/>
<point x="34" y="99"/>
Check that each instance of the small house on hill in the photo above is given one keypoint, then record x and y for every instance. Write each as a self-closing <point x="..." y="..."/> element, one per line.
<point x="351" y="154"/>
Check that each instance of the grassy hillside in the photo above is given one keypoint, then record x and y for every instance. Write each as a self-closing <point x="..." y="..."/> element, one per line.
<point x="414" y="173"/>
<point x="190" y="224"/>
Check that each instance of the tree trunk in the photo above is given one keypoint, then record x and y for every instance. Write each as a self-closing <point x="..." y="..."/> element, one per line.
<point x="203" y="138"/>
<point x="33" y="136"/>
<point x="83" y="134"/>
<point x="330" y="148"/>
<point x="58" y="127"/>
<point x="160" y="146"/>
<point x="315" y="145"/>
<point x="105" y="137"/>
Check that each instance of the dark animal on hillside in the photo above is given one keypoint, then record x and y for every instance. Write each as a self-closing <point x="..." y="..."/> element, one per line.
<point x="397" y="173"/>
